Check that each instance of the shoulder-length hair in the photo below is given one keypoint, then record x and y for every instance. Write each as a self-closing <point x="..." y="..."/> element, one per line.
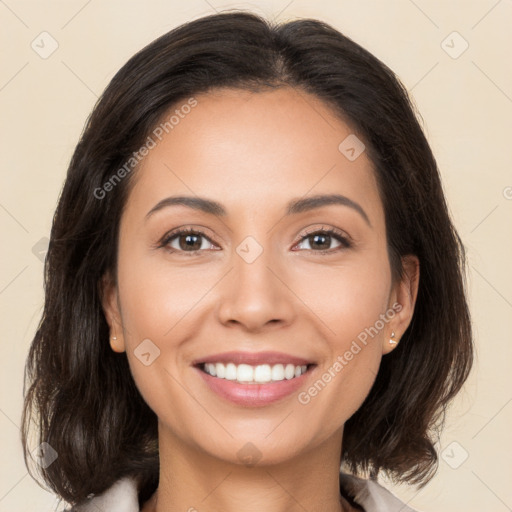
<point x="82" y="394"/>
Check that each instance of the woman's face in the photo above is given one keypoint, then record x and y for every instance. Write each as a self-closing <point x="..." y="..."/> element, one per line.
<point x="258" y="277"/>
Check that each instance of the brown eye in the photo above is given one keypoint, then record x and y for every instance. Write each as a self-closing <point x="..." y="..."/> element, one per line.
<point x="186" y="240"/>
<point x="189" y="241"/>
<point x="321" y="241"/>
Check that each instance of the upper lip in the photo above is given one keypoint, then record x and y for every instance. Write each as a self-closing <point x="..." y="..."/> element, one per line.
<point x="253" y="358"/>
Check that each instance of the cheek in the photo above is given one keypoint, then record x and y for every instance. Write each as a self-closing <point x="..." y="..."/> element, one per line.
<point x="350" y="305"/>
<point x="162" y="303"/>
<point x="156" y="295"/>
<point x="347" y="298"/>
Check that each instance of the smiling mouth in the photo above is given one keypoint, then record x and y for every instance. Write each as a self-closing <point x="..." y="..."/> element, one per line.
<point x="254" y="374"/>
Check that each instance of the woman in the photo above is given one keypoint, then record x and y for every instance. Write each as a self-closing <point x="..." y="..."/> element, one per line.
<point x="234" y="309"/>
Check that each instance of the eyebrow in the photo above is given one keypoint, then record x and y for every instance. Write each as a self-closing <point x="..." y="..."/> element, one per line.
<point x="294" y="207"/>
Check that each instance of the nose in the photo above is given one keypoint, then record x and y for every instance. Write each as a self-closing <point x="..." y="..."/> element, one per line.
<point x="255" y="295"/>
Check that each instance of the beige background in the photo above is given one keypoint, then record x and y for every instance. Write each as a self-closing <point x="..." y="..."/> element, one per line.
<point x="466" y="105"/>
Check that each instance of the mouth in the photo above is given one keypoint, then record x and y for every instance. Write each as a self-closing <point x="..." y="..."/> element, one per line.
<point x="254" y="374"/>
<point x="254" y="367"/>
<point x="254" y="379"/>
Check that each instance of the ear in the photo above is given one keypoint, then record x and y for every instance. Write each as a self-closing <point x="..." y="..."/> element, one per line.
<point x="402" y="301"/>
<point x="110" y="305"/>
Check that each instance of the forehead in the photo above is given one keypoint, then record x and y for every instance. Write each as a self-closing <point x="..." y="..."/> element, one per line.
<point x="249" y="150"/>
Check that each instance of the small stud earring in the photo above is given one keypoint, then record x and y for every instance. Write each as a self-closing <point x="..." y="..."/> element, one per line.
<point x="115" y="344"/>
<point x="392" y="341"/>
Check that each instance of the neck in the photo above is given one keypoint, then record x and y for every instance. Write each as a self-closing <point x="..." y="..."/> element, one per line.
<point x="192" y="481"/>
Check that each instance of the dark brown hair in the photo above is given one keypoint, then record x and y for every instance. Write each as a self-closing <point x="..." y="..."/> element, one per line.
<point x="82" y="394"/>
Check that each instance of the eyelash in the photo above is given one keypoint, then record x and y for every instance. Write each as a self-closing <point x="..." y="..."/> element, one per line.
<point x="332" y="232"/>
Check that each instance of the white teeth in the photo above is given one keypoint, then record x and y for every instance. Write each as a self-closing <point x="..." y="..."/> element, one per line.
<point x="230" y="372"/>
<point x="259" y="374"/>
<point x="289" y="371"/>
<point x="262" y="373"/>
<point x="244" y="373"/>
<point x="278" y="372"/>
<point x="220" y="370"/>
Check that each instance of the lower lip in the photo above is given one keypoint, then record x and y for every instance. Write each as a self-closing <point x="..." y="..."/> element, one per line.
<point x="254" y="395"/>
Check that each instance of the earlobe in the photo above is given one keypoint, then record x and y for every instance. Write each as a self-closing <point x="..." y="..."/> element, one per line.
<point x="110" y="305"/>
<point x="404" y="294"/>
<point x="390" y="343"/>
<point x="116" y="344"/>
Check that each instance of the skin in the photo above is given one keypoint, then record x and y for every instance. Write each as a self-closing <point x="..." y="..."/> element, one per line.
<point x="253" y="152"/>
